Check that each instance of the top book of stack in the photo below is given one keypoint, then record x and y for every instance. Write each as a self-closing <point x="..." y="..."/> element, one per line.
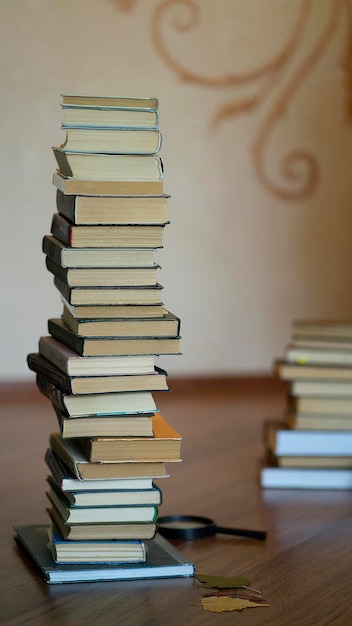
<point x="112" y="147"/>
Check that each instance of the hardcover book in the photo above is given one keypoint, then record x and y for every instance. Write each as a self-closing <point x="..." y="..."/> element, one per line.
<point x="94" y="187"/>
<point x="108" y="346"/>
<point x="71" y="453"/>
<point x="96" y="257"/>
<point x="95" y="551"/>
<point x="114" y="167"/>
<point x="103" y="277"/>
<point x="111" y="140"/>
<point x="112" y="209"/>
<point x="107" y="236"/>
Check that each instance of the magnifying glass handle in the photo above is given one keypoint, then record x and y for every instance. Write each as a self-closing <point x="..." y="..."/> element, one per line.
<point x="240" y="532"/>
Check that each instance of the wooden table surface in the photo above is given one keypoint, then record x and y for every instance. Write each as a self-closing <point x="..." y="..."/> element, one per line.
<point x="303" y="569"/>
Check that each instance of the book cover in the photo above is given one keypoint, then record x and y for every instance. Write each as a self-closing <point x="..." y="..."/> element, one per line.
<point x="162" y="561"/>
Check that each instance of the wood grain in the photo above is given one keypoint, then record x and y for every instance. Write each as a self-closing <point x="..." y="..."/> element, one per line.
<point x="303" y="568"/>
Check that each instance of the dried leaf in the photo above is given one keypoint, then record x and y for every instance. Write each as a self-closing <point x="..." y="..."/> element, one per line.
<point x="219" y="604"/>
<point x="221" y="582"/>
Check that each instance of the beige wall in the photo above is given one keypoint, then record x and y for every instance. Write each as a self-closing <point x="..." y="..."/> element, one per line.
<point x="247" y="249"/>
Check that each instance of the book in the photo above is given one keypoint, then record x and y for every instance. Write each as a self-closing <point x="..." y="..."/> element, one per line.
<point x="100" y="346"/>
<point x="122" y="497"/>
<point x="122" y="403"/>
<point x="273" y="477"/>
<point x="112" y="209"/>
<point x="96" y="311"/>
<point x="114" y="167"/>
<point x="109" y="295"/>
<point x="330" y="389"/>
<point x="104" y="425"/>
<point x="93" y="187"/>
<point x="282" y="441"/>
<point x="339" y="462"/>
<point x="99" y="514"/>
<point x="104" y="277"/>
<point x="321" y="405"/>
<point x="166" y="326"/>
<point x="108" y="116"/>
<point x="164" y="446"/>
<point x="318" y="356"/>
<point x="95" y="551"/>
<point x="108" y="236"/>
<point x="96" y="257"/>
<point x="140" y="531"/>
<point x="163" y="560"/>
<point x="71" y="454"/>
<point x="67" y="481"/>
<point x="72" y="364"/>
<point x="156" y="381"/>
<point x="300" y="421"/>
<point x="323" y="329"/>
<point x="111" y="140"/>
<point x="84" y="100"/>
<point x="292" y="371"/>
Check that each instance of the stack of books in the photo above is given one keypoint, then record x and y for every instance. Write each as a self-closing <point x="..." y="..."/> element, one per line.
<point x="97" y="364"/>
<point x="311" y="446"/>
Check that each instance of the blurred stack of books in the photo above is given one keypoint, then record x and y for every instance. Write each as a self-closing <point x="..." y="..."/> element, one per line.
<point x="97" y="364"/>
<point x="311" y="446"/>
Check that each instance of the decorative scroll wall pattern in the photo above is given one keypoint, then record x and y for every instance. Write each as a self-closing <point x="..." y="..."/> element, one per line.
<point x="299" y="168"/>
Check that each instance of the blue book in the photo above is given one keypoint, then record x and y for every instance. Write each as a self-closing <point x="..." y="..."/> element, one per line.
<point x="163" y="560"/>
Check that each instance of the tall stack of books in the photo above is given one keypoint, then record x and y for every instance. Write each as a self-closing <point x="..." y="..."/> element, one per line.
<point x="97" y="365"/>
<point x="311" y="446"/>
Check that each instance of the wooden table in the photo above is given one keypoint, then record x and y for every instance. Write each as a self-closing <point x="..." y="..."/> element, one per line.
<point x="304" y="568"/>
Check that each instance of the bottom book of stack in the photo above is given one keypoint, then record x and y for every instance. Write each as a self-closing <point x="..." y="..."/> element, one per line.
<point x="162" y="560"/>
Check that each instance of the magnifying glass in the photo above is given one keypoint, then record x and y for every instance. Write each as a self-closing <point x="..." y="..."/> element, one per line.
<point x="196" y="527"/>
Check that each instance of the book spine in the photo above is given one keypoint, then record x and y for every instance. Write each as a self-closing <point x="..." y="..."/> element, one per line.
<point x="51" y="392"/>
<point x="61" y="229"/>
<point x="49" y="371"/>
<point x="66" y="205"/>
<point x="71" y="340"/>
<point x="56" y="269"/>
<point x="51" y="249"/>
